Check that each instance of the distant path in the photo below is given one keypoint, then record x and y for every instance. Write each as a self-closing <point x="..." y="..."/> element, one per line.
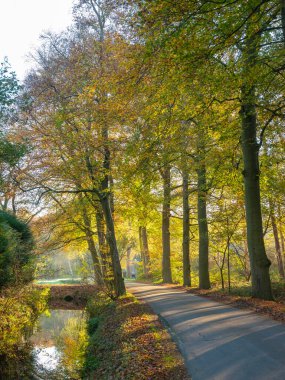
<point x="218" y="341"/>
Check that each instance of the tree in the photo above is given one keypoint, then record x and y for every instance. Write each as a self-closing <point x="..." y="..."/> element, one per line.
<point x="235" y="46"/>
<point x="9" y="88"/>
<point x="98" y="129"/>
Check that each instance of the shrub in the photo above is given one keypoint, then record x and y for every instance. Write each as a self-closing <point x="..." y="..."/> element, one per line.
<point x="17" y="258"/>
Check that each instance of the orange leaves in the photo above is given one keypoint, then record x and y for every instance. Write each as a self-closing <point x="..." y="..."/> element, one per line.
<point x="141" y="349"/>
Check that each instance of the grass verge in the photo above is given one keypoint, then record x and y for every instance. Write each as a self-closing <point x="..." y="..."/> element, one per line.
<point x="128" y="342"/>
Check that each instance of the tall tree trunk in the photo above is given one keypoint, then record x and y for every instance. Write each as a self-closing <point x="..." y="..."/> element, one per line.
<point x="222" y="278"/>
<point x="141" y="248"/>
<point x="246" y="259"/>
<point x="277" y="246"/>
<point x="261" y="285"/>
<point x="112" y="201"/>
<point x="186" y="230"/>
<point x="105" y="200"/>
<point x="166" y="265"/>
<point x="146" y="257"/>
<point x="228" y="255"/>
<point x="103" y="247"/>
<point x="90" y="242"/>
<point x="229" y="265"/>
<point x="96" y="263"/>
<point x="281" y="231"/>
<point x="119" y="285"/>
<point x="204" y="278"/>
<point x="128" y="259"/>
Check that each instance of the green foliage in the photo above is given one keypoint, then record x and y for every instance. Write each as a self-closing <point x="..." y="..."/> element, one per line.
<point x="167" y="93"/>
<point x="8" y="83"/>
<point x="19" y="309"/>
<point x="9" y="87"/>
<point x="92" y="325"/>
<point x="11" y="153"/>
<point x="16" y="251"/>
<point x="73" y="341"/>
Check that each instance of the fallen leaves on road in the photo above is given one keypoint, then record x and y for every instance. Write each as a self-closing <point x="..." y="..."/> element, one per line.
<point x="272" y="309"/>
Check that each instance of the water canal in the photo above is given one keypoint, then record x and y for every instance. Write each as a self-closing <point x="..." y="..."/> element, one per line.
<point x="54" y="346"/>
<point x="59" y="342"/>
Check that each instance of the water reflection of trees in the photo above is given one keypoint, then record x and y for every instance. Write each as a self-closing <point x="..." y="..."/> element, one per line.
<point x="19" y="310"/>
<point x="61" y="342"/>
<point x="55" y="351"/>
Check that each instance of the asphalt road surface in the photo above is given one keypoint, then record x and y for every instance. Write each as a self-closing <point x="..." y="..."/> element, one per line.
<point x="218" y="342"/>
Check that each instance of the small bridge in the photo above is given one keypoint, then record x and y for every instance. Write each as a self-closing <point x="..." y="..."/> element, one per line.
<point x="69" y="296"/>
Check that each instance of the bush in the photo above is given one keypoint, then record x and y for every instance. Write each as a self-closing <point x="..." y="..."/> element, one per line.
<point x="17" y="259"/>
<point x="92" y="325"/>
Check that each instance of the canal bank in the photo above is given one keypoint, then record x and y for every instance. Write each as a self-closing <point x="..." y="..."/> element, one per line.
<point x="86" y="335"/>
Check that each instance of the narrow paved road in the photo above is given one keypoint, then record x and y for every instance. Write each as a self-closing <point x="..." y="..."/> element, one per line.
<point x="218" y="341"/>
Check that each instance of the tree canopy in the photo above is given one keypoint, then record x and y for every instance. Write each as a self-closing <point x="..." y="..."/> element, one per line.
<point x="156" y="136"/>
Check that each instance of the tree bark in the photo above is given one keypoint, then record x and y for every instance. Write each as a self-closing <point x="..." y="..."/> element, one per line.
<point x="281" y="231"/>
<point x="145" y="249"/>
<point x="119" y="285"/>
<point x="105" y="200"/>
<point x="166" y="265"/>
<point x="90" y="242"/>
<point x="186" y="231"/>
<point x="282" y="241"/>
<point x="229" y="266"/>
<point x="96" y="263"/>
<point x="128" y="259"/>
<point x="246" y="259"/>
<point x="222" y="278"/>
<point x="112" y="201"/>
<point x="141" y="248"/>
<point x="277" y="246"/>
<point x="204" y="278"/>
<point x="103" y="247"/>
<point x="261" y="285"/>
